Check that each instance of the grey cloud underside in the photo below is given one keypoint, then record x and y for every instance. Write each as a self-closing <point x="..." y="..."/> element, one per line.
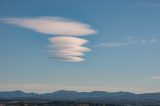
<point x="65" y="47"/>
<point x="68" y="58"/>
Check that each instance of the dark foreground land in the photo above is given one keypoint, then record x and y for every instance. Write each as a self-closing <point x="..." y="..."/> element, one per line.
<point x="55" y="103"/>
<point x="60" y="103"/>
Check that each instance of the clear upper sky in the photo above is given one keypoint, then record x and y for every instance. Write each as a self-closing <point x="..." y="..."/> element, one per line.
<point x="124" y="56"/>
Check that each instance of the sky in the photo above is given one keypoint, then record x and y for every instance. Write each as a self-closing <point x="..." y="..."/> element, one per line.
<point x="104" y="45"/>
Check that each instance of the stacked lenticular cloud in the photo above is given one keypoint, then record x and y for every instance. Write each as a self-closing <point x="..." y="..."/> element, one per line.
<point x="68" y="48"/>
<point x="65" y="44"/>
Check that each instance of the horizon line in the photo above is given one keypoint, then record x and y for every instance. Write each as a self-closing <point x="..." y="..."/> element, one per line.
<point x="79" y="91"/>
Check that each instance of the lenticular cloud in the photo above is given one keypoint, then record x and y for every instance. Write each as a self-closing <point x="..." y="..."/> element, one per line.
<point x="53" y="26"/>
<point x="68" y="48"/>
<point x="66" y="45"/>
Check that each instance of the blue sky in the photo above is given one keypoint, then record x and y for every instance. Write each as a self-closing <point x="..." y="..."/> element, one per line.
<point x="123" y="38"/>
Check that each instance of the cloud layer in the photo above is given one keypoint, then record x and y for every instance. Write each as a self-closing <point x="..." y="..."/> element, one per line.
<point x="65" y="47"/>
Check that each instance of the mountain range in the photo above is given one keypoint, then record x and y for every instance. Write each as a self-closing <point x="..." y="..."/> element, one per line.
<point x="95" y="96"/>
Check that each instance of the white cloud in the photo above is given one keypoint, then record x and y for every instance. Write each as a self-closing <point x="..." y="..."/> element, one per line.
<point x="155" y="77"/>
<point x="67" y="41"/>
<point x="66" y="47"/>
<point x="67" y="53"/>
<point x="63" y="48"/>
<point x="53" y="26"/>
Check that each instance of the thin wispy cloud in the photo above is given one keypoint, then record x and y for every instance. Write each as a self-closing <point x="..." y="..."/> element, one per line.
<point x="112" y="44"/>
<point x="127" y="42"/>
<point x="155" y="77"/>
<point x="67" y="46"/>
